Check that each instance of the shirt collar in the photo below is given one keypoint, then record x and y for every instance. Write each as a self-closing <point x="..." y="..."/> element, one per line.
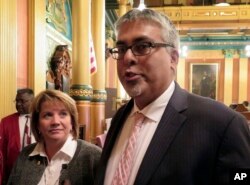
<point x="69" y="147"/>
<point x="24" y="115"/>
<point x="66" y="149"/>
<point x="156" y="108"/>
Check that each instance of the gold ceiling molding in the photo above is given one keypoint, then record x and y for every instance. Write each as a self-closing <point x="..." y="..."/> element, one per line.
<point x="216" y="43"/>
<point x="206" y="13"/>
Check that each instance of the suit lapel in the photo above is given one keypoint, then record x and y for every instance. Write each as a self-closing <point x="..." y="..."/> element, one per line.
<point x="165" y="133"/>
<point x="16" y="133"/>
<point x="115" y="128"/>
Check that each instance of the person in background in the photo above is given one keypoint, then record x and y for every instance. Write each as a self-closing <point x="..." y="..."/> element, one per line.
<point x="179" y="138"/>
<point x="12" y="132"/>
<point x="246" y="104"/>
<point x="57" y="157"/>
<point x="205" y="85"/>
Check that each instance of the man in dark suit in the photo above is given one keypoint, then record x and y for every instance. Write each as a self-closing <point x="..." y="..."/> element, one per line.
<point x="12" y="132"/>
<point x="184" y="139"/>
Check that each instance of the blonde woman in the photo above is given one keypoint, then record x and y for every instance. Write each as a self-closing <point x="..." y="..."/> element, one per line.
<point x="58" y="156"/>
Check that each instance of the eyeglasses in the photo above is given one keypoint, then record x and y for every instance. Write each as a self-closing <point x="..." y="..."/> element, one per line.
<point x="138" y="49"/>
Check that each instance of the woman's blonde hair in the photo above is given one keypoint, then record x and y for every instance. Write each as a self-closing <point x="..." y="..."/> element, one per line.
<point x="53" y="96"/>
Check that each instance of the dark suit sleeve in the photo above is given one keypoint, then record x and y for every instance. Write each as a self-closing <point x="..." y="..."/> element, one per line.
<point x="234" y="151"/>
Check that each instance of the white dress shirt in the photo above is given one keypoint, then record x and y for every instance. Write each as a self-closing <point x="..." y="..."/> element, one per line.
<point x="63" y="156"/>
<point x="153" y="113"/>
<point x="22" y="121"/>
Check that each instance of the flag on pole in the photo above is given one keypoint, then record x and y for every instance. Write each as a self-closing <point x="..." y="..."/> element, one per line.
<point x="93" y="66"/>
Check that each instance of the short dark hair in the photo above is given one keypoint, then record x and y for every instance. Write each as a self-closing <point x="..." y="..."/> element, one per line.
<point x="25" y="90"/>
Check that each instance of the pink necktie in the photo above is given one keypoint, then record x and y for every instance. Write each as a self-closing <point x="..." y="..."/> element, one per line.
<point x="125" y="165"/>
<point x="27" y="133"/>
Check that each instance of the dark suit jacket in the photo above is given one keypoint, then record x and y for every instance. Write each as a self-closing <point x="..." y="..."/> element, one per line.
<point x="197" y="142"/>
<point x="79" y="171"/>
<point x="9" y="143"/>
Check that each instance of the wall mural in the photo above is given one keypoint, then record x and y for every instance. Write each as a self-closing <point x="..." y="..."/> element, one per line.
<point x="58" y="16"/>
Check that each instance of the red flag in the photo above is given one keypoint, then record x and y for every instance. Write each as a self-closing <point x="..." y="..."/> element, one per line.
<point x="93" y="66"/>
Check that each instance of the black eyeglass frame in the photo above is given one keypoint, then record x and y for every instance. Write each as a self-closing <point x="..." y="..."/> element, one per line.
<point x="115" y="54"/>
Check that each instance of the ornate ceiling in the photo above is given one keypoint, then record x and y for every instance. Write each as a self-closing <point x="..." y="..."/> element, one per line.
<point x="200" y="23"/>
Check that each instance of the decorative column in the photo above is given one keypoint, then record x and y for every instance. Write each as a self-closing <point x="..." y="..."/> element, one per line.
<point x="36" y="45"/>
<point x="180" y="76"/>
<point x="248" y="81"/>
<point x="8" y="55"/>
<point x="123" y="8"/>
<point x="243" y="78"/>
<point x="98" y="79"/>
<point x="81" y="90"/>
<point x="228" y="79"/>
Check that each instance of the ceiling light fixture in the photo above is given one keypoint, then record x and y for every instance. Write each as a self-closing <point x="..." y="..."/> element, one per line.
<point x="222" y="4"/>
<point x="184" y="51"/>
<point x="247" y="48"/>
<point x="141" y="5"/>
